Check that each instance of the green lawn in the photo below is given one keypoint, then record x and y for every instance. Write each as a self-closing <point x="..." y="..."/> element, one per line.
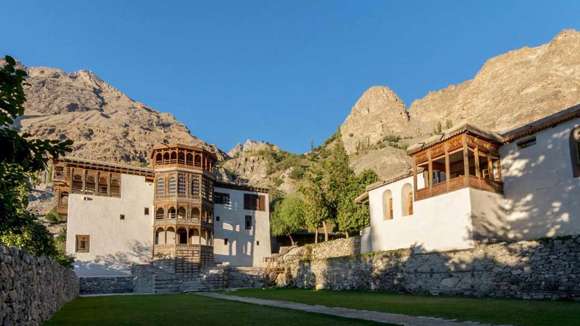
<point x="498" y="311"/>
<point x="182" y="309"/>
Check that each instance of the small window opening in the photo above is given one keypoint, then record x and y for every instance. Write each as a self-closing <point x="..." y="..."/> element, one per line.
<point x="122" y="216"/>
<point x="146" y="211"/>
<point x="225" y="241"/>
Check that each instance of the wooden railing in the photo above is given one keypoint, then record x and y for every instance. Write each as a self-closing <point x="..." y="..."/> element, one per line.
<point x="459" y="183"/>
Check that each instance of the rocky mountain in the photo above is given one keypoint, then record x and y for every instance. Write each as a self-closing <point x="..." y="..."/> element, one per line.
<point x="104" y="123"/>
<point x="510" y="90"/>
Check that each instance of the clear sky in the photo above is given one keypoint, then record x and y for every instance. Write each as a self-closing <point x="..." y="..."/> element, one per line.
<point x="287" y="72"/>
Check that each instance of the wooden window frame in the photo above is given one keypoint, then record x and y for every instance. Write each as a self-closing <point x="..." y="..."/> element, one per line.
<point x="254" y="202"/>
<point x="79" y="238"/>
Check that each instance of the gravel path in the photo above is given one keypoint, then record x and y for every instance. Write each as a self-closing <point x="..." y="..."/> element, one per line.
<point x="380" y="317"/>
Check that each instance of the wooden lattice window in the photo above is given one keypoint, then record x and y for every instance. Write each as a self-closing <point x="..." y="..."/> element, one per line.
<point x="115" y="185"/>
<point x="172" y="185"/>
<point x="181" y="184"/>
<point x="102" y="186"/>
<point x="160" y="188"/>
<point x="77" y="182"/>
<point x="195" y="186"/>
<point x="83" y="243"/>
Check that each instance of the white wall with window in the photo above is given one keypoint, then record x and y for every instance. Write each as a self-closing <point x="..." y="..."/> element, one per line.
<point x="541" y="176"/>
<point x="108" y="234"/>
<point x="241" y="227"/>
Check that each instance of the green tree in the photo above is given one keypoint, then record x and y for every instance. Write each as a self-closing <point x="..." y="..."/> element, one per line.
<point x="288" y="217"/>
<point x="351" y="216"/>
<point x="20" y="158"/>
<point x="316" y="207"/>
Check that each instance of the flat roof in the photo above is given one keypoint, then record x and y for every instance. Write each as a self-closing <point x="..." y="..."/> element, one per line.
<point x="541" y="124"/>
<point x="121" y="168"/>
<point x="235" y="186"/>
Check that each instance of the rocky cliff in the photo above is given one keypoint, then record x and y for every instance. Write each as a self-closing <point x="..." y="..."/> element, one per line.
<point x="104" y="123"/>
<point x="510" y="90"/>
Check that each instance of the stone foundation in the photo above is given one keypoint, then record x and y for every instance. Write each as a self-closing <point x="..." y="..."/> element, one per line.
<point x="32" y="288"/>
<point x="104" y="285"/>
<point x="543" y="269"/>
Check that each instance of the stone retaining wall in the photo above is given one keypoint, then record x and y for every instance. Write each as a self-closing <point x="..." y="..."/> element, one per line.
<point x="528" y="269"/>
<point x="32" y="288"/>
<point x="104" y="285"/>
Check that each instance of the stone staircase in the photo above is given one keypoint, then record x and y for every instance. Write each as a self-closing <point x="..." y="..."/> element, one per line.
<point x="179" y="278"/>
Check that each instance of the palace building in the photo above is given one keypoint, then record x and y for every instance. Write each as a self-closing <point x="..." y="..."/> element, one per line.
<point x="469" y="186"/>
<point x="174" y="215"/>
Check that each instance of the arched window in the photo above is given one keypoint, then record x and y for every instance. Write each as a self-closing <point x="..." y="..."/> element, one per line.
<point x="181" y="158"/>
<point x="193" y="236"/>
<point x="173" y="157"/>
<point x="181" y="212"/>
<point x="171" y="212"/>
<point x="159" y="238"/>
<point x="166" y="158"/>
<point x="195" y="213"/>
<point x="407" y="199"/>
<point x="160" y="190"/>
<point x="182" y="236"/>
<point x="160" y="213"/>
<point x="158" y="158"/>
<point x="172" y="185"/>
<point x="189" y="159"/>
<point x="170" y="236"/>
<point x="181" y="184"/>
<point x="575" y="151"/>
<point x="197" y="160"/>
<point x="387" y="205"/>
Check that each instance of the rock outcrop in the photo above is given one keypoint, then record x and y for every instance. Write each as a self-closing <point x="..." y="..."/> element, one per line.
<point x="104" y="123"/>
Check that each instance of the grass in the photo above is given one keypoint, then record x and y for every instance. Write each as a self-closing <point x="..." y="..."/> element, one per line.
<point x="495" y="311"/>
<point x="182" y="309"/>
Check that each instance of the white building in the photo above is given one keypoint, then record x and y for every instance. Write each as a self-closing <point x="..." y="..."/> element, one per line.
<point x="469" y="186"/>
<point x="118" y="216"/>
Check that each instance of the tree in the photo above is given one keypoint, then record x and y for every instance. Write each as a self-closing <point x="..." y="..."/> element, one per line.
<point x="20" y="158"/>
<point x="288" y="217"/>
<point x="316" y="208"/>
<point x="353" y="217"/>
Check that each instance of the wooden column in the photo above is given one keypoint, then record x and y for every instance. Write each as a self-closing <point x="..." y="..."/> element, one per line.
<point x="415" y="176"/>
<point x="465" y="161"/>
<point x="430" y="173"/>
<point x="489" y="167"/>
<point x="476" y="155"/>
<point x="447" y="166"/>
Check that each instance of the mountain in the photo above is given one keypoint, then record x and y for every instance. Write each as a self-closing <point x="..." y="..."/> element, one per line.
<point x="510" y="90"/>
<point x="104" y="123"/>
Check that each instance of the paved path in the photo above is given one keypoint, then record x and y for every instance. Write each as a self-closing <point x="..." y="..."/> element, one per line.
<point x="380" y="317"/>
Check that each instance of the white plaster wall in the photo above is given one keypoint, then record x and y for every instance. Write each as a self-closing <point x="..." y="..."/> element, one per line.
<point x="542" y="198"/>
<point x="114" y="243"/>
<point x="242" y="248"/>
<point x="438" y="223"/>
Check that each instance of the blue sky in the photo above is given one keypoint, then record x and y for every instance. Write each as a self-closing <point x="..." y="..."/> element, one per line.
<point x="287" y="72"/>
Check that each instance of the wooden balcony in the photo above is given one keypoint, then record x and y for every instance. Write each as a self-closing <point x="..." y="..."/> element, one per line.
<point x="459" y="183"/>
<point x="182" y="222"/>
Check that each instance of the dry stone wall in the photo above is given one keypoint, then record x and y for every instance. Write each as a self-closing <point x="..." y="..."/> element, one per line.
<point x="543" y="269"/>
<point x="32" y="288"/>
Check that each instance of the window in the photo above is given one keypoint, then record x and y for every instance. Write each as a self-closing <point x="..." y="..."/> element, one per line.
<point x="248" y="222"/>
<point x="160" y="186"/>
<point x="115" y="185"/>
<point x="90" y="183"/>
<point x="254" y="202"/>
<point x="407" y="199"/>
<point x="82" y="243"/>
<point x="77" y="182"/>
<point x="226" y="241"/>
<point x="122" y="216"/>
<point x="160" y="213"/>
<point x="575" y="151"/>
<point x="257" y="243"/>
<point x="526" y="142"/>
<point x="181" y="184"/>
<point x="172" y="185"/>
<point x="102" y="187"/>
<point x="146" y="211"/>
<point x="217" y="218"/>
<point x="387" y="205"/>
<point x="171" y="212"/>
<point x="221" y="198"/>
<point x="195" y="186"/>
